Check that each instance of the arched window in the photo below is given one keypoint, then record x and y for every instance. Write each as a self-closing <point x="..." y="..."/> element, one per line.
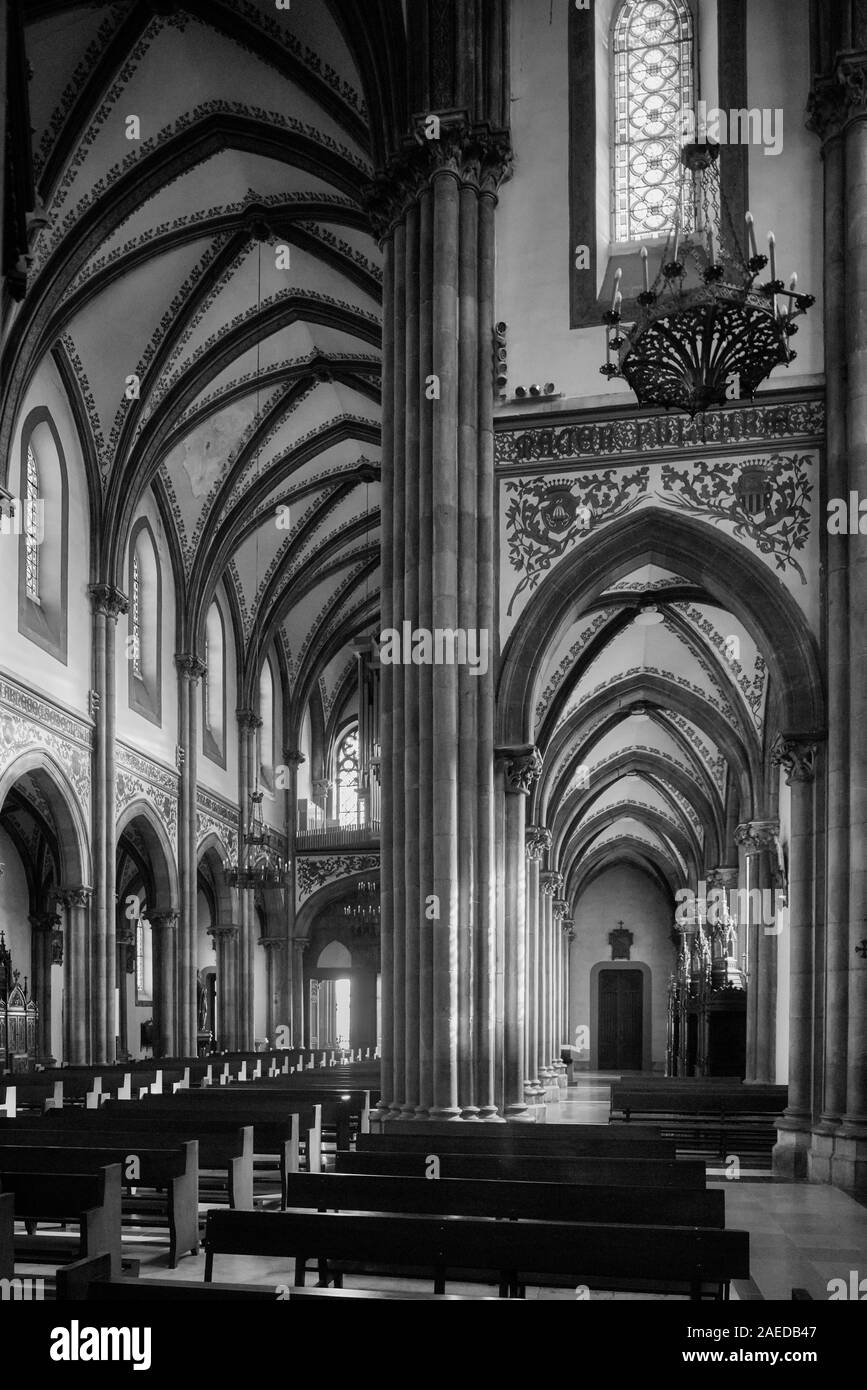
<point x="346" y="777"/>
<point x="31" y="527"/>
<point x="653" y="86"/>
<point x="42" y="514"/>
<point x="214" y="687"/>
<point x="144" y="640"/>
<point x="266" y="732"/>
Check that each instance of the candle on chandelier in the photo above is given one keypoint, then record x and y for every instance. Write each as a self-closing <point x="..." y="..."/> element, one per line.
<point x="793" y="283"/>
<point x="645" y="268"/>
<point x="772" y="248"/>
<point x="618" y="300"/>
<point x="710" y="250"/>
<point x="751" y="229"/>
<point x="617" y="276"/>
<point x="676" y="240"/>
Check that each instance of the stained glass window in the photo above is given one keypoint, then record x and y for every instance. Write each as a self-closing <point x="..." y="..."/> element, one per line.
<point x="31" y="528"/>
<point x="135" y="616"/>
<point x="347" y="778"/>
<point x="653" y="83"/>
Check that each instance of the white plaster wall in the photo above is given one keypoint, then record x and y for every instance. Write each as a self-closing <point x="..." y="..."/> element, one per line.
<point x="623" y="892"/>
<point x="132" y="727"/>
<point x="533" y="235"/>
<point x="68" y="684"/>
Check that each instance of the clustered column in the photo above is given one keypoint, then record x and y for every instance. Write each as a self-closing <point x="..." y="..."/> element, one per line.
<point x="797" y="757"/>
<point x="47" y="943"/>
<point x="759" y="839"/>
<point x="225" y="939"/>
<point x="190" y="670"/>
<point x="538" y="844"/>
<point x="76" y="902"/>
<point x="249" y="724"/>
<point x="439" y="957"/>
<point x="108" y="603"/>
<point x="163" y="924"/>
<point x="838" y="114"/>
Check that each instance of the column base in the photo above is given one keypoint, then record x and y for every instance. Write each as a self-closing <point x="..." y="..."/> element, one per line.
<point x="490" y="1114"/>
<point x="470" y="1113"/>
<point x="444" y="1112"/>
<point x="790" y="1154"/>
<point x="849" y="1166"/>
<point x="821" y="1155"/>
<point x="519" y="1111"/>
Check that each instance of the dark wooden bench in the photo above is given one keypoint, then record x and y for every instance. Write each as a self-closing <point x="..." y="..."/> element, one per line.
<point x="574" y="1140"/>
<point x="284" y="1124"/>
<point x="353" y="1103"/>
<point x="93" y="1200"/>
<point x="225" y="1148"/>
<point x="713" y="1119"/>
<point x="279" y="1133"/>
<point x="514" y="1253"/>
<point x="7" y="1235"/>
<point x="529" y="1201"/>
<point x="595" y="1171"/>
<point x="91" y="1280"/>
<point x="171" y="1173"/>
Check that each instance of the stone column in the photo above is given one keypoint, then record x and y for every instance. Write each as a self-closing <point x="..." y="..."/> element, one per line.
<point x="568" y="925"/>
<point x="838" y="114"/>
<point x="523" y="767"/>
<point x="163" y="927"/>
<point x="757" y="839"/>
<point x="293" y="760"/>
<point x="107" y="604"/>
<point x="274" y="951"/>
<point x="45" y="929"/>
<point x="797" y="758"/>
<point x="560" y="911"/>
<point x="552" y="882"/>
<point x="190" y="669"/>
<point x="225" y="938"/>
<point x="248" y="725"/>
<point x="538" y="845"/>
<point x="76" y="902"/>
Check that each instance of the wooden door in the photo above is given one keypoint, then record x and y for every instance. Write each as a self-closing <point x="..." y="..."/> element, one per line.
<point x="620" y="1020"/>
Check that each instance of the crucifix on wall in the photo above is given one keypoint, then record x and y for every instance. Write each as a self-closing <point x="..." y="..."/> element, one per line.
<point x="620" y="942"/>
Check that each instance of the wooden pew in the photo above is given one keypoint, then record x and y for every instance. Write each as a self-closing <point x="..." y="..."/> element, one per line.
<point x="225" y="1148"/>
<point x="32" y="1092"/>
<point x="279" y="1122"/>
<point x="7" y="1235"/>
<point x="529" y="1201"/>
<point x="92" y="1280"/>
<point x="172" y="1172"/>
<point x="278" y="1131"/>
<point x="355" y="1101"/>
<point x="575" y="1140"/>
<point x="598" y="1172"/>
<point x="715" y="1118"/>
<point x="676" y="1259"/>
<point x="91" y="1199"/>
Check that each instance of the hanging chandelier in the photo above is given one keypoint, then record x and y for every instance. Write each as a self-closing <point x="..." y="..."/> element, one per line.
<point x="707" y="330"/>
<point x="364" y="912"/>
<point x="262" y="862"/>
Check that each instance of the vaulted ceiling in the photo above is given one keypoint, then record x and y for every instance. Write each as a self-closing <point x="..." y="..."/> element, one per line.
<point x="209" y="288"/>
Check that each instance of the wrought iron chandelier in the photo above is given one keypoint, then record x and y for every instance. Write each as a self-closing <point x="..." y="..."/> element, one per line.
<point x="262" y="862"/>
<point x="707" y="331"/>
<point x="364" y="913"/>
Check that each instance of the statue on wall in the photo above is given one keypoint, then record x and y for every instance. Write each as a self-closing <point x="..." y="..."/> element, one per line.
<point x="201" y="1003"/>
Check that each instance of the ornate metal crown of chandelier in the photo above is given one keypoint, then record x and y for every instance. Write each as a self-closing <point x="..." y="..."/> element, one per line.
<point x="704" y="324"/>
<point x="262" y="862"/>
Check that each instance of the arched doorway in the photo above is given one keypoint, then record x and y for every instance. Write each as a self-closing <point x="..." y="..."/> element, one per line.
<point x="146" y="920"/>
<point x="44" y="903"/>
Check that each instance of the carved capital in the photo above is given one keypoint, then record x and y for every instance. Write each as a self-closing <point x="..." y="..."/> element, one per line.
<point x="538" y="842"/>
<point x="74" y="897"/>
<point x="560" y="908"/>
<point x="476" y="155"/>
<point x="189" y="666"/>
<point x="568" y="927"/>
<point x="293" y="758"/>
<point x="163" y="919"/>
<point x="796" y="755"/>
<point x="757" y="836"/>
<point x="108" y="601"/>
<point x="551" y="881"/>
<point x="523" y="768"/>
<point x="837" y="100"/>
<point x="248" y="720"/>
<point x="223" y="932"/>
<point x="44" y="921"/>
<point x="722" y="877"/>
<point x="321" y="786"/>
